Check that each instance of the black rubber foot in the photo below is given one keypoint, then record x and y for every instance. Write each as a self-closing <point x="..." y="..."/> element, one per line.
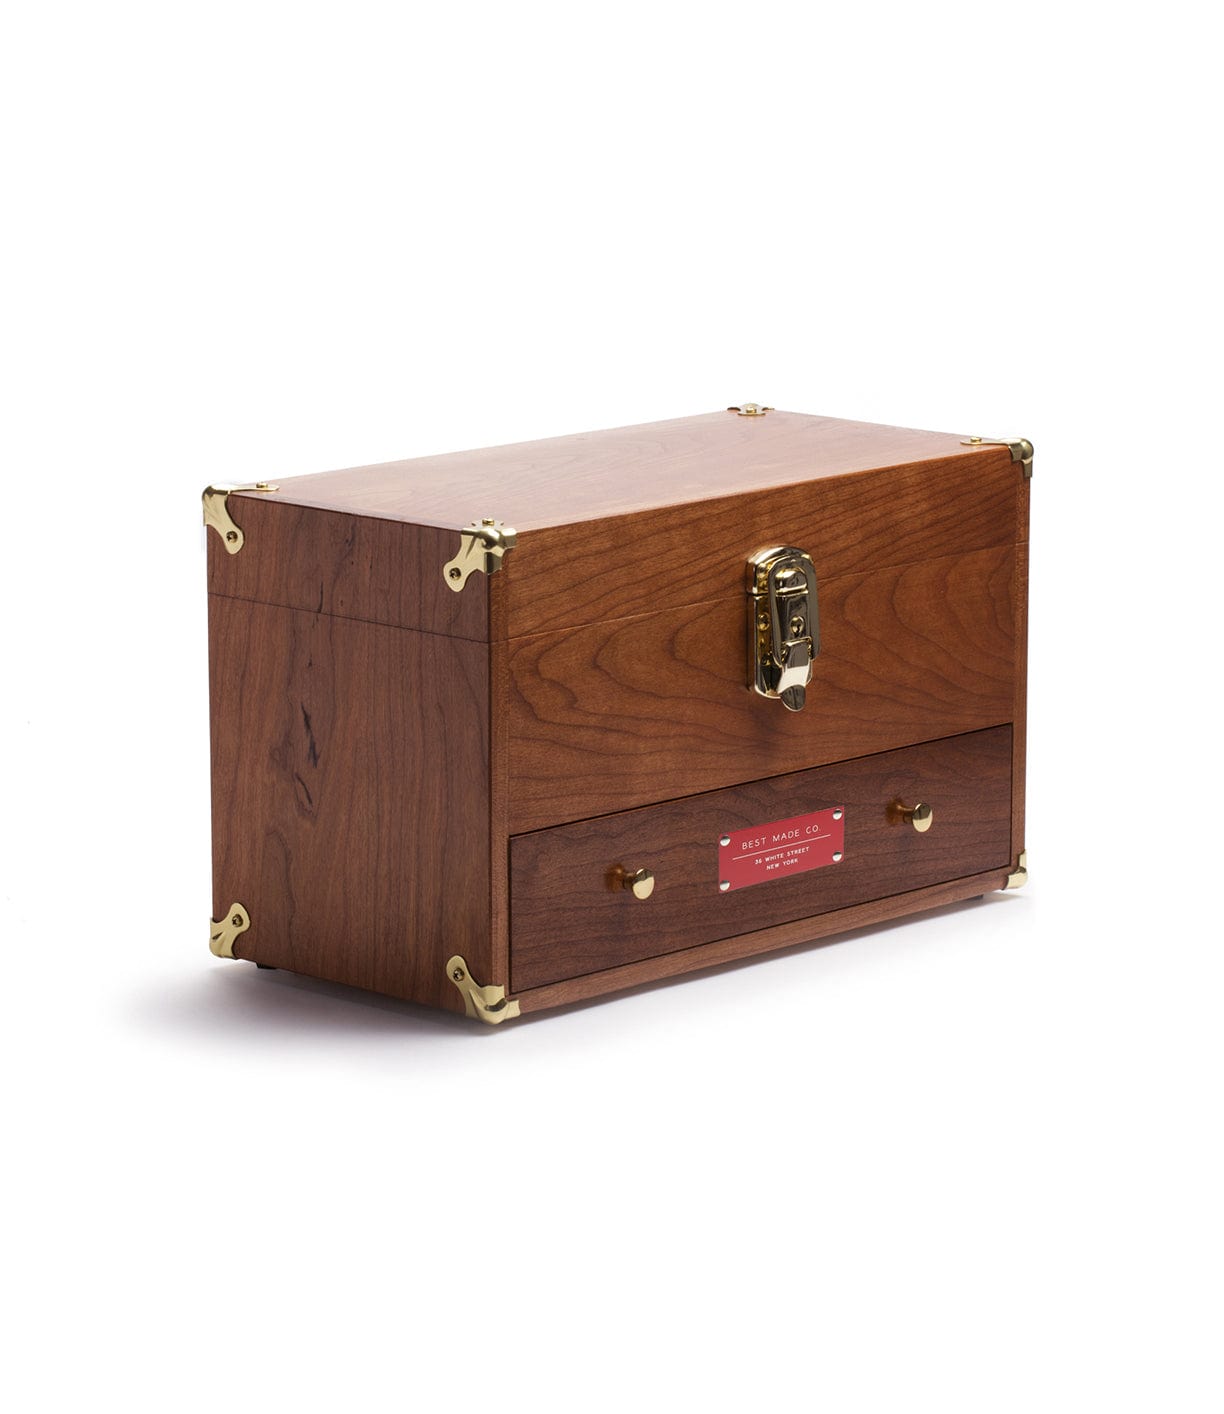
<point x="265" y="967"/>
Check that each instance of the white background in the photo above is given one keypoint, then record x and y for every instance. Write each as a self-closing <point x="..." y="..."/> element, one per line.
<point x="970" y="1162"/>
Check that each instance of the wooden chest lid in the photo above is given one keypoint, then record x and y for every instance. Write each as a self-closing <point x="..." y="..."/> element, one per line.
<point x="609" y="516"/>
<point x="593" y="475"/>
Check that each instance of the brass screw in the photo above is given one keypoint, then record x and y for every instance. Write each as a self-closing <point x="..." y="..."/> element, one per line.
<point x="458" y="974"/>
<point x="455" y="572"/>
<point x="231" y="535"/>
<point x="488" y="520"/>
<point x="236" y="920"/>
<point x="796" y="625"/>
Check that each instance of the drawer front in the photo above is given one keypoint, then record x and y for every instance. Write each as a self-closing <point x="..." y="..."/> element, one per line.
<point x="572" y="914"/>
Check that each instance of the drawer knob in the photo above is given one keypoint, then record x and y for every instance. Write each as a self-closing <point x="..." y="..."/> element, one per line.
<point x="919" y="815"/>
<point x="640" y="882"/>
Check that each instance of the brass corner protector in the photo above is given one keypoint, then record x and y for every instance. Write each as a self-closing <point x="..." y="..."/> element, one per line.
<point x="481" y="547"/>
<point x="487" y="1004"/>
<point x="216" y="511"/>
<point x="750" y="409"/>
<point x="1019" y="875"/>
<point x="223" y="931"/>
<point x="1021" y="450"/>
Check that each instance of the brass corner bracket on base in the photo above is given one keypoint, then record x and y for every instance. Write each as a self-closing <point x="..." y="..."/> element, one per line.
<point x="1021" y="450"/>
<point x="487" y="1004"/>
<point x="1019" y="875"/>
<point x="481" y="547"/>
<point x="216" y="511"/>
<point x="749" y="409"/>
<point x="223" y="931"/>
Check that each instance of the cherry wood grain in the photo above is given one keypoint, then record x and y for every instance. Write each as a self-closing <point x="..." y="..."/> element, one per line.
<point x="498" y="775"/>
<point x="621" y="714"/>
<point x="634" y="564"/>
<point x="595" y="475"/>
<point x="568" y="917"/>
<point x="349" y="802"/>
<point x="1020" y="704"/>
<point x="379" y="571"/>
<point x="826" y="927"/>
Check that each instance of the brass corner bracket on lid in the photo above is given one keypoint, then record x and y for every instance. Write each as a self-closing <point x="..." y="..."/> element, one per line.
<point x="1019" y="875"/>
<point x="749" y="409"/>
<point x="1021" y="450"/>
<point x="224" y="930"/>
<point x="481" y="547"/>
<point x="488" y="1004"/>
<point x="216" y="511"/>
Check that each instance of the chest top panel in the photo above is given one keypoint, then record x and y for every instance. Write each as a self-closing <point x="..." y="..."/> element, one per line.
<point x="592" y="475"/>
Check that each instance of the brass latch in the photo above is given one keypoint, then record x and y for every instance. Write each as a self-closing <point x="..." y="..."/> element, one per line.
<point x="784" y="624"/>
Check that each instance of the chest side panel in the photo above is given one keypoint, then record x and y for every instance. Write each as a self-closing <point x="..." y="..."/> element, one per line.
<point x="349" y="797"/>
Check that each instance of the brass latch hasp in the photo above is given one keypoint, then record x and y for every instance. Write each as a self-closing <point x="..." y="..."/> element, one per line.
<point x="784" y="624"/>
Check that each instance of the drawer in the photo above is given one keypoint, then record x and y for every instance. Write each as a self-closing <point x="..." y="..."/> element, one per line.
<point x="571" y="913"/>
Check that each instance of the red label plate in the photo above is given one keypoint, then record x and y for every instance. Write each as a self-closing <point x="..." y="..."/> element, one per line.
<point x="781" y="848"/>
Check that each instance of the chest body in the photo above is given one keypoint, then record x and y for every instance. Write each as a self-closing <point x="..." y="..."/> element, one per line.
<point x="500" y="730"/>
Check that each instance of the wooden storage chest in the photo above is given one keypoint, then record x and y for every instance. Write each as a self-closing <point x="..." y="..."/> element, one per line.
<point x="499" y="730"/>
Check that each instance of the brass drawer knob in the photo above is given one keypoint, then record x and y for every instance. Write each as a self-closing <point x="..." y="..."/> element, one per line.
<point x="640" y="882"/>
<point x="919" y="815"/>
